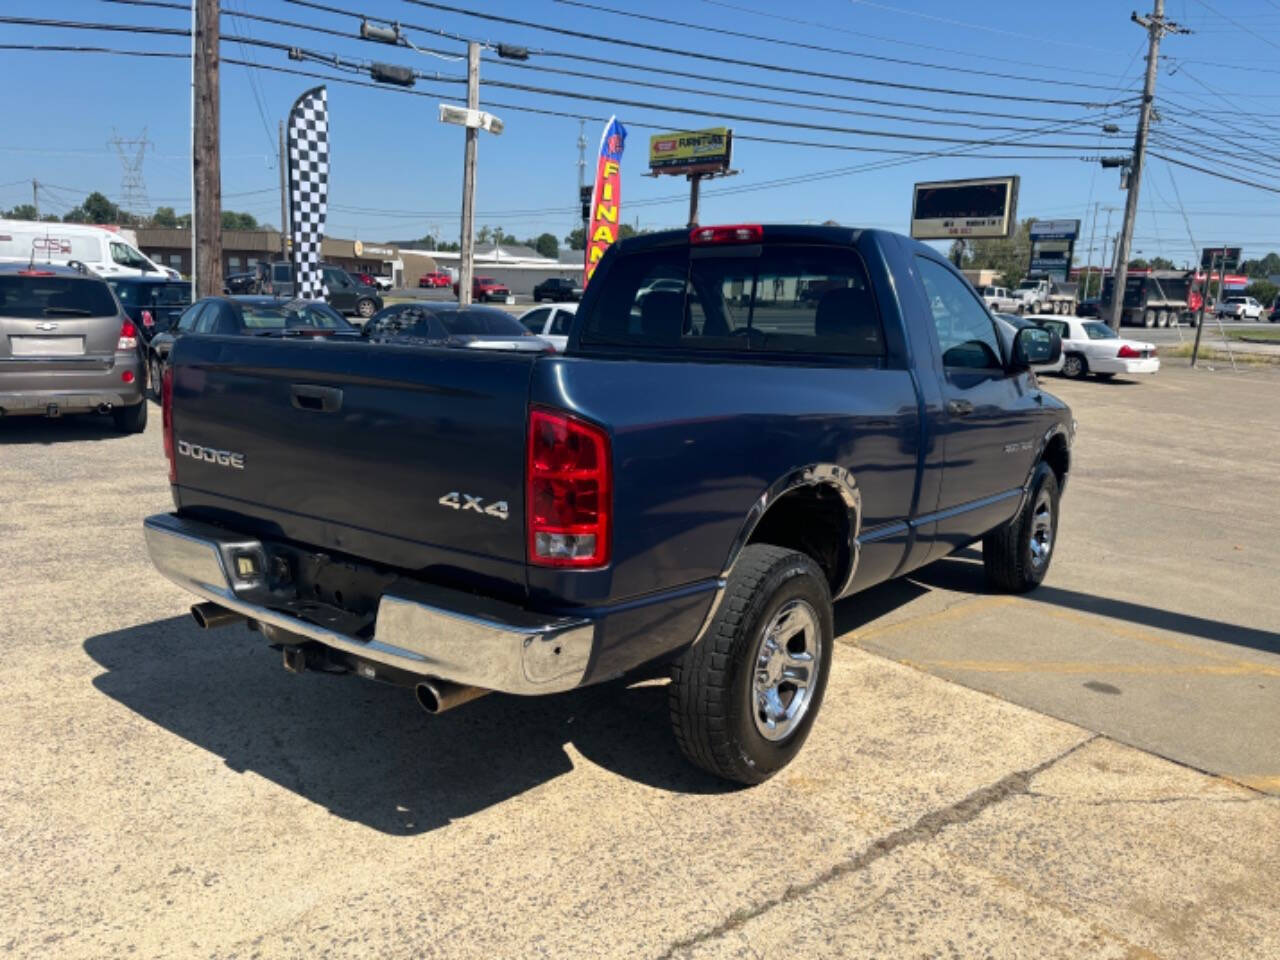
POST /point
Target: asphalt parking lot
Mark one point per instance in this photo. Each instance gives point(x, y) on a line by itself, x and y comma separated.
point(1092, 770)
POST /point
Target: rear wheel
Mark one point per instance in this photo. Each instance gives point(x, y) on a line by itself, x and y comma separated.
point(1016, 556)
point(1162, 319)
point(155, 374)
point(131, 419)
point(1149, 318)
point(744, 698)
point(1074, 366)
point(366, 307)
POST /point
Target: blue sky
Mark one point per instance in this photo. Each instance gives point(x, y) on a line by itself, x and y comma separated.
point(397, 172)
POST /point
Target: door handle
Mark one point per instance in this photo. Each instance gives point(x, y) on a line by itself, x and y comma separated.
point(959, 408)
point(319, 399)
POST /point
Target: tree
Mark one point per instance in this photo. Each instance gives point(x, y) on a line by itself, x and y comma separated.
point(485, 233)
point(238, 221)
point(1162, 263)
point(98, 209)
point(575, 240)
point(1268, 266)
point(1263, 291)
point(165, 217)
point(1008, 256)
point(23, 211)
point(1137, 263)
point(547, 245)
point(51, 218)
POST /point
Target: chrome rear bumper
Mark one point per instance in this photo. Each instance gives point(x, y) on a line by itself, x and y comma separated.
point(430, 631)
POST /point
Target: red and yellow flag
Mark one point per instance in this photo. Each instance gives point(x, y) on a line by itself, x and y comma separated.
point(606, 198)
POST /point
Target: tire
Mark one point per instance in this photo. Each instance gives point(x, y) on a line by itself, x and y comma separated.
point(156, 372)
point(1162, 319)
point(131, 419)
point(1017, 555)
point(1074, 366)
point(1149, 318)
point(713, 693)
point(365, 308)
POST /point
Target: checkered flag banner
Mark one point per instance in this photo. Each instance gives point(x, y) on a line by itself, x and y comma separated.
point(308, 145)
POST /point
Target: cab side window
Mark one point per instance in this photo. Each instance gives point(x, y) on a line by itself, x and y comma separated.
point(190, 316)
point(537, 319)
point(560, 325)
point(966, 333)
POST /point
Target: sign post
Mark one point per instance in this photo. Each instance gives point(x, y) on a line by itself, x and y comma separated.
point(695, 154)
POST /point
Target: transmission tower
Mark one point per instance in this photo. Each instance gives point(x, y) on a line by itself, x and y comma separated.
point(133, 188)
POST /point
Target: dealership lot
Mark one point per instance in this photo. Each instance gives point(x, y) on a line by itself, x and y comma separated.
point(988, 774)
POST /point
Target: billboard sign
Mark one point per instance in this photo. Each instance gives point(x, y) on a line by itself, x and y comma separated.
point(1213, 257)
point(691, 151)
point(1055, 229)
point(964, 209)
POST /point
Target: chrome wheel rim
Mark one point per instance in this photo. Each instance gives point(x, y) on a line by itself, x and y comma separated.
point(1041, 540)
point(785, 670)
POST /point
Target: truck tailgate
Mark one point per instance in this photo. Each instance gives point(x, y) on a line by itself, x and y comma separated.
point(407, 456)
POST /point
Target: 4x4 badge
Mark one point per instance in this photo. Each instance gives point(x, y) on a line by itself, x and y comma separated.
point(464, 501)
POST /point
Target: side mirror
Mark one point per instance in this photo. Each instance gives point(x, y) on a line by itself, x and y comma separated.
point(1033, 347)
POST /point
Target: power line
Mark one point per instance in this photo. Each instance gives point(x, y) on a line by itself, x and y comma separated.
point(739, 62)
point(253, 87)
point(1239, 25)
point(724, 31)
point(1215, 173)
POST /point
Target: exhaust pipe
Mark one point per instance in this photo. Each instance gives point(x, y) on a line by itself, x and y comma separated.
point(209, 615)
point(104, 408)
point(437, 696)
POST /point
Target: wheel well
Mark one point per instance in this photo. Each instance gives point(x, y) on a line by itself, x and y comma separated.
point(1058, 457)
point(815, 521)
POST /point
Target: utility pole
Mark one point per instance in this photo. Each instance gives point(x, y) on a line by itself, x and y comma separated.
point(35, 196)
point(466, 265)
point(695, 188)
point(1156, 27)
point(1204, 302)
point(284, 198)
point(584, 198)
point(206, 223)
point(1088, 263)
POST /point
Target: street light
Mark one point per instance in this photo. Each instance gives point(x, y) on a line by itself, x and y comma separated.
point(473, 119)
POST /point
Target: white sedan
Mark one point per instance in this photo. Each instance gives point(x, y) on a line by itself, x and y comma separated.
point(551, 323)
point(1090, 346)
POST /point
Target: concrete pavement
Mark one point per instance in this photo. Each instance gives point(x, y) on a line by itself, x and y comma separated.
point(172, 793)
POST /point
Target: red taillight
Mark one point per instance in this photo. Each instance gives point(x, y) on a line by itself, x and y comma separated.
point(36, 273)
point(740, 233)
point(147, 319)
point(166, 418)
point(128, 336)
point(126, 377)
point(1128, 353)
point(568, 491)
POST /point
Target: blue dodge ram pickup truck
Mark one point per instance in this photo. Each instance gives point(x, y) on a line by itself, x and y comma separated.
point(747, 424)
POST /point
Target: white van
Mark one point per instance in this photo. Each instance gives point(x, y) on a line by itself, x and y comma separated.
point(106, 251)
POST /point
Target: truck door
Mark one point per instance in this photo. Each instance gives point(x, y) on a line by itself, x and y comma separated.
point(991, 418)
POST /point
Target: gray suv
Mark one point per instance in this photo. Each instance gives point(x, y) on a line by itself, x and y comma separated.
point(67, 346)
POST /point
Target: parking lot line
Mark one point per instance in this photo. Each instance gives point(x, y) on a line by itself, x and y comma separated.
point(957, 611)
point(1239, 669)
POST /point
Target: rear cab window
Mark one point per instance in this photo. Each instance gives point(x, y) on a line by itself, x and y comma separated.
point(37, 297)
point(763, 301)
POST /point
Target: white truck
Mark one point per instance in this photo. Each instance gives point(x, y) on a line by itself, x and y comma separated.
point(1000, 300)
point(1041, 295)
point(1239, 308)
point(109, 252)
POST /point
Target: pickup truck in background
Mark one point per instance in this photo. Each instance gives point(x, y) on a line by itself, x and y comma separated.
point(712, 461)
point(1038, 295)
point(1239, 308)
point(999, 300)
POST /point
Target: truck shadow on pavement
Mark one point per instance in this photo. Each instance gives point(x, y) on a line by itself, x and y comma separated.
point(69, 429)
point(364, 750)
point(963, 572)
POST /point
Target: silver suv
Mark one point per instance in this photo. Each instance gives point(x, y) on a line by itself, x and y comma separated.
point(67, 346)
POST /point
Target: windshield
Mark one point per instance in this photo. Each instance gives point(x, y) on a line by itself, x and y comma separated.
point(1100, 331)
point(126, 256)
point(1028, 284)
point(316, 316)
point(38, 297)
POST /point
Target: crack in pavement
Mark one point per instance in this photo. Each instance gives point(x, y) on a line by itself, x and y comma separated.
point(924, 829)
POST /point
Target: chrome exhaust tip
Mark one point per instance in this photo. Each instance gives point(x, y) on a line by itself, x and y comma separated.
point(104, 408)
point(209, 616)
point(437, 696)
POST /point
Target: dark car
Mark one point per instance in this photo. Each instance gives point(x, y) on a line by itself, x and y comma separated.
point(447, 325)
point(67, 346)
point(557, 289)
point(152, 303)
point(689, 486)
point(241, 283)
point(1089, 307)
point(347, 295)
point(251, 317)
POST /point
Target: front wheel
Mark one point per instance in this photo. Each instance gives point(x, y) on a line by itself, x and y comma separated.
point(744, 698)
point(365, 307)
point(1016, 555)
